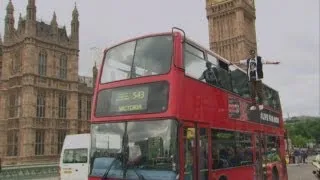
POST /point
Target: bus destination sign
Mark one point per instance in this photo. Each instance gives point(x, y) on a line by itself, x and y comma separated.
point(129, 100)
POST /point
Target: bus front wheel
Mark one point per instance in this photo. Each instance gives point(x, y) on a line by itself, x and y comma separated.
point(223, 178)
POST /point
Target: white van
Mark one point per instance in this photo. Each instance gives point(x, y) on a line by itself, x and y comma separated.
point(75, 156)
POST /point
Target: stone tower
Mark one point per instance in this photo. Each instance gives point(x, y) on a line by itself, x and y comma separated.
point(231, 27)
point(42, 97)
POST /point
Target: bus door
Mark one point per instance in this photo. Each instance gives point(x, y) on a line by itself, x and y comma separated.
point(196, 152)
point(189, 139)
point(203, 155)
point(260, 151)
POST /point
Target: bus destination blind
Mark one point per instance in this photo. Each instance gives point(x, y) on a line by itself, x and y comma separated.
point(129, 100)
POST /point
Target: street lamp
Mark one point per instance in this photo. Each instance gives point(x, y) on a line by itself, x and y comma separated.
point(96, 56)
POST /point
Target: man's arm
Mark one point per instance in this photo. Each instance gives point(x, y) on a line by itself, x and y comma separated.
point(244, 61)
point(270, 62)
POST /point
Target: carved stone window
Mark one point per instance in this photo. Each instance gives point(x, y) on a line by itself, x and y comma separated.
point(62, 106)
point(42, 66)
point(63, 67)
point(14, 104)
point(12, 142)
point(41, 104)
point(39, 142)
point(16, 62)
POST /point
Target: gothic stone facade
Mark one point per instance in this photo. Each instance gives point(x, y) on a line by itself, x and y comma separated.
point(231, 27)
point(42, 97)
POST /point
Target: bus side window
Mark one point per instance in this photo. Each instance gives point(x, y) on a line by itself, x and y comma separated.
point(267, 95)
point(274, 101)
point(273, 149)
point(194, 61)
point(239, 82)
point(277, 101)
point(224, 75)
point(213, 59)
point(223, 149)
point(244, 149)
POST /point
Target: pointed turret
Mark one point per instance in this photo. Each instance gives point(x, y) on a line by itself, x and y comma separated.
point(31, 10)
point(20, 24)
point(10, 8)
point(54, 18)
point(75, 25)
point(75, 13)
point(9, 22)
point(20, 19)
point(54, 24)
point(31, 19)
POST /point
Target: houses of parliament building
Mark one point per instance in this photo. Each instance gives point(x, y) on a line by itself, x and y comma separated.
point(42, 97)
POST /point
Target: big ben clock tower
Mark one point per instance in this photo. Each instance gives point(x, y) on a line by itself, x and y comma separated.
point(231, 27)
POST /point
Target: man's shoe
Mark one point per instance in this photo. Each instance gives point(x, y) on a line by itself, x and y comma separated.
point(260, 106)
point(252, 108)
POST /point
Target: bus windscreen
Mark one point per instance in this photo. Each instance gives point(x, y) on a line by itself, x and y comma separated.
point(142, 57)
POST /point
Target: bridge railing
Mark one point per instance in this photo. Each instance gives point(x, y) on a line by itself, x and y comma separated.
point(34, 171)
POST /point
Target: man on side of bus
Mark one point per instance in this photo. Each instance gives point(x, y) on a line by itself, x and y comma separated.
point(255, 75)
point(211, 75)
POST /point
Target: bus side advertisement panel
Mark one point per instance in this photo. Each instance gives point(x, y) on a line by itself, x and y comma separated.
point(240, 110)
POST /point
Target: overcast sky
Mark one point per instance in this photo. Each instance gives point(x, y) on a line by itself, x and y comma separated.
point(287, 31)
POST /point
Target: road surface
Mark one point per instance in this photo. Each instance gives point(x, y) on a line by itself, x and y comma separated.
point(296, 172)
point(301, 172)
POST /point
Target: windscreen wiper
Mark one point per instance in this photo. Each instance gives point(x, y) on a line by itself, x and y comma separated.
point(125, 152)
point(140, 176)
point(117, 158)
point(122, 156)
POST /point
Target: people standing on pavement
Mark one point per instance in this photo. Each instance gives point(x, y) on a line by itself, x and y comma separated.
point(304, 156)
point(296, 154)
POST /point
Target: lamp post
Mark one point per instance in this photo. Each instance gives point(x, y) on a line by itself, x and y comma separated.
point(96, 55)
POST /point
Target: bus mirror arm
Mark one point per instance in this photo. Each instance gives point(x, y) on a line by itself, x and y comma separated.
point(179, 29)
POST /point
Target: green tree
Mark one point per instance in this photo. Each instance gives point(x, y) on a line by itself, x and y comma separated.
point(303, 130)
point(299, 141)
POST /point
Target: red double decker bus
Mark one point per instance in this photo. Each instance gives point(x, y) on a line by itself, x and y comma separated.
point(154, 118)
